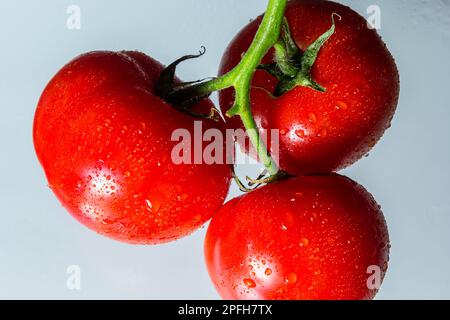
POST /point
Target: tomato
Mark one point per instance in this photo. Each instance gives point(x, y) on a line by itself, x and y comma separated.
point(323, 132)
point(103, 138)
point(313, 237)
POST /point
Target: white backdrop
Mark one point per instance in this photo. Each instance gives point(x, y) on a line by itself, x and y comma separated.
point(408, 172)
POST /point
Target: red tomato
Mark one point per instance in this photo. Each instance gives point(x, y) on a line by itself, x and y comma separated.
point(324, 132)
point(314, 237)
point(104, 140)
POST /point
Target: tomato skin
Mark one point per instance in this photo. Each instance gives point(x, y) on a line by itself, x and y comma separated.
point(311, 237)
point(104, 140)
point(324, 132)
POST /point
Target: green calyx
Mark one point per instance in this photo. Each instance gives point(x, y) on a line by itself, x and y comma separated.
point(292, 67)
point(183, 96)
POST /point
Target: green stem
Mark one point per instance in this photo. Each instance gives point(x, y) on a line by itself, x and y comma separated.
point(283, 60)
point(241, 77)
point(291, 67)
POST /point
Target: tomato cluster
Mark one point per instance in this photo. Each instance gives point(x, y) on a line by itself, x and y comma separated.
point(103, 134)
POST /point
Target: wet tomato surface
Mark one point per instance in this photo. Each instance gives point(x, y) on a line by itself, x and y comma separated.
point(315, 237)
point(323, 132)
point(104, 140)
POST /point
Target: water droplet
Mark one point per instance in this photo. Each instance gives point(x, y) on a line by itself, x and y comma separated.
point(249, 283)
point(341, 105)
point(312, 118)
point(127, 174)
point(148, 204)
point(331, 241)
point(323, 133)
point(284, 132)
point(304, 242)
point(268, 272)
point(183, 197)
point(108, 177)
point(290, 278)
point(300, 133)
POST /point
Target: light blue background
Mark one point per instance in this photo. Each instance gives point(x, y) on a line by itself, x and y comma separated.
point(408, 171)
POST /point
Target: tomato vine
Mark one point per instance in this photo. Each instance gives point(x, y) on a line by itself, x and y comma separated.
point(291, 67)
